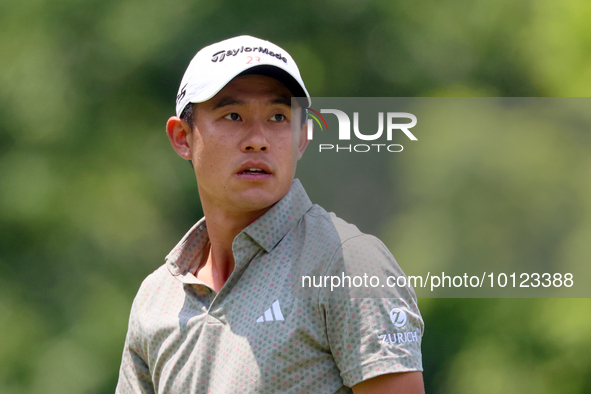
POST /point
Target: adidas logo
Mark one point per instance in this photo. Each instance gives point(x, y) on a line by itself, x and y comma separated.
point(268, 315)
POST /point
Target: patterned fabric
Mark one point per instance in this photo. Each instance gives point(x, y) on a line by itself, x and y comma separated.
point(265, 332)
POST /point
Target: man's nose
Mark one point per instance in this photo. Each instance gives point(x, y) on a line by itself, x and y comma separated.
point(255, 139)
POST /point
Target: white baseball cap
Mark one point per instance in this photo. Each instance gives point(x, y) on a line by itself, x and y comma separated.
point(214, 66)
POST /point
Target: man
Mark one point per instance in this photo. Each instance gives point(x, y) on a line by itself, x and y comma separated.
point(224, 314)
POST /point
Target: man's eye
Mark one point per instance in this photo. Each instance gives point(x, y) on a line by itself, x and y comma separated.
point(278, 118)
point(232, 116)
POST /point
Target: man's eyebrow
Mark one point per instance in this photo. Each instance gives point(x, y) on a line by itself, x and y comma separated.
point(282, 100)
point(224, 101)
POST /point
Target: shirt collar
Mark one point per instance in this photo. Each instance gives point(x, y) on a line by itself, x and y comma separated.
point(274, 224)
point(267, 231)
point(189, 248)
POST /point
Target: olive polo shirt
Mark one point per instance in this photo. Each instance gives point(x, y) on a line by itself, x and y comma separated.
point(266, 332)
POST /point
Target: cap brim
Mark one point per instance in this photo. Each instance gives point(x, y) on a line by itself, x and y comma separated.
point(263, 69)
point(282, 76)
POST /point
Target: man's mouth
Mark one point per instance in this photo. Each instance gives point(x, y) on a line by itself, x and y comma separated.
point(254, 171)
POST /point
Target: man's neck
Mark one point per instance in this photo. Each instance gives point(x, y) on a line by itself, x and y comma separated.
point(222, 228)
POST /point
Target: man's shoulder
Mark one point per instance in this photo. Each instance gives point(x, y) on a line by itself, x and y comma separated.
point(337, 230)
point(337, 260)
point(327, 241)
point(160, 275)
point(154, 284)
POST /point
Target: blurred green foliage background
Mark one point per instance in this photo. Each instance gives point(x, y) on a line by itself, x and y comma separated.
point(92, 197)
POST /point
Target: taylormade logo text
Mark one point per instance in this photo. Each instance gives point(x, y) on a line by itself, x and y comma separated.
point(395, 122)
point(221, 55)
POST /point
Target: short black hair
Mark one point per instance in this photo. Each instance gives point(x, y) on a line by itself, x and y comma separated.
point(188, 114)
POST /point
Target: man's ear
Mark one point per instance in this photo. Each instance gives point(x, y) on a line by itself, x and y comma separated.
point(304, 141)
point(177, 131)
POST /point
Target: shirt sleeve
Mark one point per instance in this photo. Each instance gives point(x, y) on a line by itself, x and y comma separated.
point(134, 374)
point(373, 328)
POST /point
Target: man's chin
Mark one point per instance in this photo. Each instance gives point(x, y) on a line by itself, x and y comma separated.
point(255, 199)
point(257, 204)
